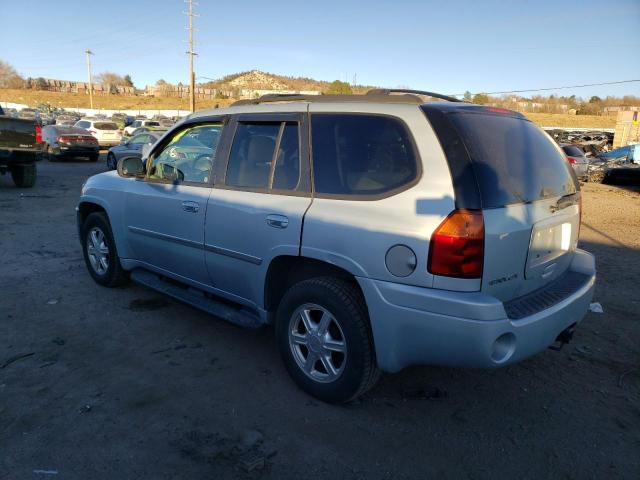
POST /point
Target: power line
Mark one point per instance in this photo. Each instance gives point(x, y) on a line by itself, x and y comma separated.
point(552, 88)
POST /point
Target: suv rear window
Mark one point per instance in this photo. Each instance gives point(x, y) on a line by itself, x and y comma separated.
point(105, 126)
point(573, 151)
point(511, 160)
point(356, 154)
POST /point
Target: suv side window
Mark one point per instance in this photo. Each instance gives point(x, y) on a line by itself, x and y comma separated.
point(189, 155)
point(359, 154)
point(265, 156)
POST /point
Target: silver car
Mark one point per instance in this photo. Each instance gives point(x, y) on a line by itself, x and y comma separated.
point(131, 147)
point(373, 231)
point(577, 159)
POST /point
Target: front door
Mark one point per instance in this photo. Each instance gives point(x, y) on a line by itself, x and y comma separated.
point(256, 208)
point(165, 213)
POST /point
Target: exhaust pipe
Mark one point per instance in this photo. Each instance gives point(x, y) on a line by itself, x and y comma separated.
point(565, 337)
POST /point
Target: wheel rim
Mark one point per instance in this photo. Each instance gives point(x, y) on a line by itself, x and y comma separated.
point(317, 343)
point(98, 251)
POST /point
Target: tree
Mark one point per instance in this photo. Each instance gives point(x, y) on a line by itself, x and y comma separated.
point(595, 99)
point(127, 80)
point(467, 97)
point(339, 88)
point(9, 78)
point(480, 98)
point(109, 78)
point(41, 84)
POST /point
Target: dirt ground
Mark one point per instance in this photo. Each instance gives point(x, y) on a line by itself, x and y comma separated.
point(125, 384)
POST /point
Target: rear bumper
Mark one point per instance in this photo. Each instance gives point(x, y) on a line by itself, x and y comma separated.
point(76, 151)
point(109, 143)
point(414, 325)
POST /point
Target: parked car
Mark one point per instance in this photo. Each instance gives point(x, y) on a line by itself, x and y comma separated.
point(29, 114)
point(66, 120)
point(578, 160)
point(374, 231)
point(140, 130)
point(20, 148)
point(141, 123)
point(106, 132)
point(131, 147)
point(61, 141)
point(621, 165)
point(11, 112)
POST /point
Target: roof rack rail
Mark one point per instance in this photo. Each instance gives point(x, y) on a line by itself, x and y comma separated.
point(381, 95)
point(388, 91)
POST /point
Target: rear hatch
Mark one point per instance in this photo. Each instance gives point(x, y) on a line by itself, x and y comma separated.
point(504, 165)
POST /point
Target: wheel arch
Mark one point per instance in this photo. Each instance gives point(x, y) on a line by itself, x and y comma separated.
point(287, 270)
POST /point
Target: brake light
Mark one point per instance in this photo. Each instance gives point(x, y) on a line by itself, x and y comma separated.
point(92, 132)
point(38, 134)
point(497, 110)
point(571, 160)
point(457, 245)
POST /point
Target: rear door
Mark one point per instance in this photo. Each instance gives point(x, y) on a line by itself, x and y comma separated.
point(506, 166)
point(256, 208)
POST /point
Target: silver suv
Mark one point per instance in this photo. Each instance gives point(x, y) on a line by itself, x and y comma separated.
point(374, 231)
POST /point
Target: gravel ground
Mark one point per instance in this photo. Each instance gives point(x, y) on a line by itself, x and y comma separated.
point(123, 383)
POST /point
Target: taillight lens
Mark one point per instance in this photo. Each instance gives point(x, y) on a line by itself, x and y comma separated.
point(457, 245)
point(572, 160)
point(38, 134)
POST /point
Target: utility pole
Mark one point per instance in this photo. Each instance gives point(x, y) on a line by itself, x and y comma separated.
point(89, 53)
point(191, 53)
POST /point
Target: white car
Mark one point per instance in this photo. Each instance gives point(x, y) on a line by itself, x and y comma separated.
point(107, 133)
point(140, 123)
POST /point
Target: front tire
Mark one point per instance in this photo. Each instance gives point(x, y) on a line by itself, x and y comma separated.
point(111, 161)
point(24, 176)
point(99, 250)
point(325, 340)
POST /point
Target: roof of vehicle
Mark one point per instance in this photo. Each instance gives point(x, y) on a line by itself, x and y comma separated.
point(65, 129)
point(395, 97)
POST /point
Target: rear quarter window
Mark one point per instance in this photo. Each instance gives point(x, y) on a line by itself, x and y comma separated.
point(361, 155)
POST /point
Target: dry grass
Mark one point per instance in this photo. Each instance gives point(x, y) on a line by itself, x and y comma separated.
point(119, 102)
point(107, 102)
point(574, 121)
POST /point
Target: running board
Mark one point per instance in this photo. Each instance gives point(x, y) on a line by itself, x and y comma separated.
point(196, 298)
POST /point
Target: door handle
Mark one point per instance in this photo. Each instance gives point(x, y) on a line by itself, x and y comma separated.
point(277, 221)
point(191, 207)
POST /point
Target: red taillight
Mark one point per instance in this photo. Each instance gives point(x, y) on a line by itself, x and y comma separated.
point(38, 134)
point(497, 110)
point(457, 245)
point(571, 160)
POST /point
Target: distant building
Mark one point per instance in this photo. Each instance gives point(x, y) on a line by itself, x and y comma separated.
point(68, 86)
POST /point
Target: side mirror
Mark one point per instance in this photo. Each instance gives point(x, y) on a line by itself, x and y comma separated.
point(146, 148)
point(130, 167)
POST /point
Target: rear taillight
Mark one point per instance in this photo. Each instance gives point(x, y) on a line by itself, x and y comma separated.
point(38, 134)
point(571, 160)
point(457, 245)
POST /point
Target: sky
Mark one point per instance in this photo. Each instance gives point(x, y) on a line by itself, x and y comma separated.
point(448, 47)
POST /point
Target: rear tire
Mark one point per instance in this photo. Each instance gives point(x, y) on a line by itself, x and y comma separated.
point(337, 363)
point(24, 176)
point(99, 250)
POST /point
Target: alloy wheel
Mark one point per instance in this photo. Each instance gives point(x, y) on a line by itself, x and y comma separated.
point(98, 251)
point(317, 343)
